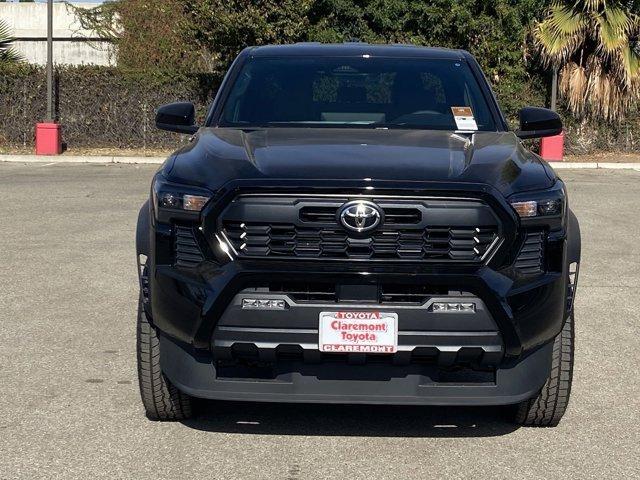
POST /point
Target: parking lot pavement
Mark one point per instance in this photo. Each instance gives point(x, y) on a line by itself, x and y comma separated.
point(70, 408)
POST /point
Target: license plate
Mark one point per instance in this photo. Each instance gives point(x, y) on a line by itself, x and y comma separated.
point(358, 332)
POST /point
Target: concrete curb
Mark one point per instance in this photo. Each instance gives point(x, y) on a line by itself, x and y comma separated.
point(561, 165)
point(595, 165)
point(159, 160)
point(79, 159)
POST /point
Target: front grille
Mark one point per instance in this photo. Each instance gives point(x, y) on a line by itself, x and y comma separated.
point(530, 260)
point(186, 249)
point(430, 229)
point(257, 239)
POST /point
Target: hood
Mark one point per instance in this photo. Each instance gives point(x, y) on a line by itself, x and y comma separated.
point(219, 155)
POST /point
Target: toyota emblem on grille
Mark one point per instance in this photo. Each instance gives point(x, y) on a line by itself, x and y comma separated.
point(360, 216)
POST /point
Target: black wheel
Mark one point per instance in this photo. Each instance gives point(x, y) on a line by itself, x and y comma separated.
point(161, 399)
point(547, 408)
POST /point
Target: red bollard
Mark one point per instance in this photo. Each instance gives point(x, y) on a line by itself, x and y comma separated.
point(552, 148)
point(48, 139)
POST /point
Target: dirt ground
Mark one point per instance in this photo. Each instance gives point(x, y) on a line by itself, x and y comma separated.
point(97, 152)
point(609, 157)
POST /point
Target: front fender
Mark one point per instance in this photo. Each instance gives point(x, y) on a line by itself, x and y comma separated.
point(143, 230)
point(574, 242)
point(574, 251)
point(143, 250)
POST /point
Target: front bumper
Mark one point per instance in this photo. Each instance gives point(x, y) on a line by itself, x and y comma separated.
point(412, 385)
point(504, 347)
point(187, 306)
point(507, 343)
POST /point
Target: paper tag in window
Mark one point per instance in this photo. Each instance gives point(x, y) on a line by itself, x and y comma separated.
point(464, 118)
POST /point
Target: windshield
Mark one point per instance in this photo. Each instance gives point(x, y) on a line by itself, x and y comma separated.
point(357, 92)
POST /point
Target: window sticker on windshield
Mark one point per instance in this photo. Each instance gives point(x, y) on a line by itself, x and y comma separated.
point(464, 118)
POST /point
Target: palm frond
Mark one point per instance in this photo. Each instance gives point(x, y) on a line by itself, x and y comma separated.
point(613, 26)
point(5, 34)
point(7, 54)
point(573, 85)
point(591, 5)
point(559, 34)
point(606, 98)
point(595, 44)
point(630, 64)
point(565, 20)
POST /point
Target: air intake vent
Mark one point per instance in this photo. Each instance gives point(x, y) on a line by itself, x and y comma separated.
point(407, 294)
point(530, 260)
point(187, 250)
point(402, 216)
point(318, 214)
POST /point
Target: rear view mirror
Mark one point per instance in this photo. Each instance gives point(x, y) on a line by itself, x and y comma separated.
point(177, 117)
point(538, 122)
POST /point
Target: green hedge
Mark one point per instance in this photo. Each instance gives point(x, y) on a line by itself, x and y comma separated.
point(111, 107)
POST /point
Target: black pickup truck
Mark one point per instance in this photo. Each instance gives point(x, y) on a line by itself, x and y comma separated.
point(357, 224)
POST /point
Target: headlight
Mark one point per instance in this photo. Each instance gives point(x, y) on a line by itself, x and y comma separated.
point(534, 208)
point(179, 201)
point(543, 205)
point(172, 200)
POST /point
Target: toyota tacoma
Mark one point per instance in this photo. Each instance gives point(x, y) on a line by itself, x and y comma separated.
point(357, 224)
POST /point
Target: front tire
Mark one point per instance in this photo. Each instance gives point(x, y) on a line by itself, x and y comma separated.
point(547, 408)
point(161, 399)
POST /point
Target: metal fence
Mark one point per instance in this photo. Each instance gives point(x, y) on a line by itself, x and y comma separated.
point(97, 106)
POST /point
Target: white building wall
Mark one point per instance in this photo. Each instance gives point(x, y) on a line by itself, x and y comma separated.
point(28, 23)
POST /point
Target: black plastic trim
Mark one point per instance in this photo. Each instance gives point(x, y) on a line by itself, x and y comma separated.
point(196, 375)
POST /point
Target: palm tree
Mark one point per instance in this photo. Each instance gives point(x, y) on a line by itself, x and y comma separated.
point(595, 45)
point(7, 55)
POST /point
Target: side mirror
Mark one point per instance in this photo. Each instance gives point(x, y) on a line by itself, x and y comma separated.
point(177, 117)
point(538, 122)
